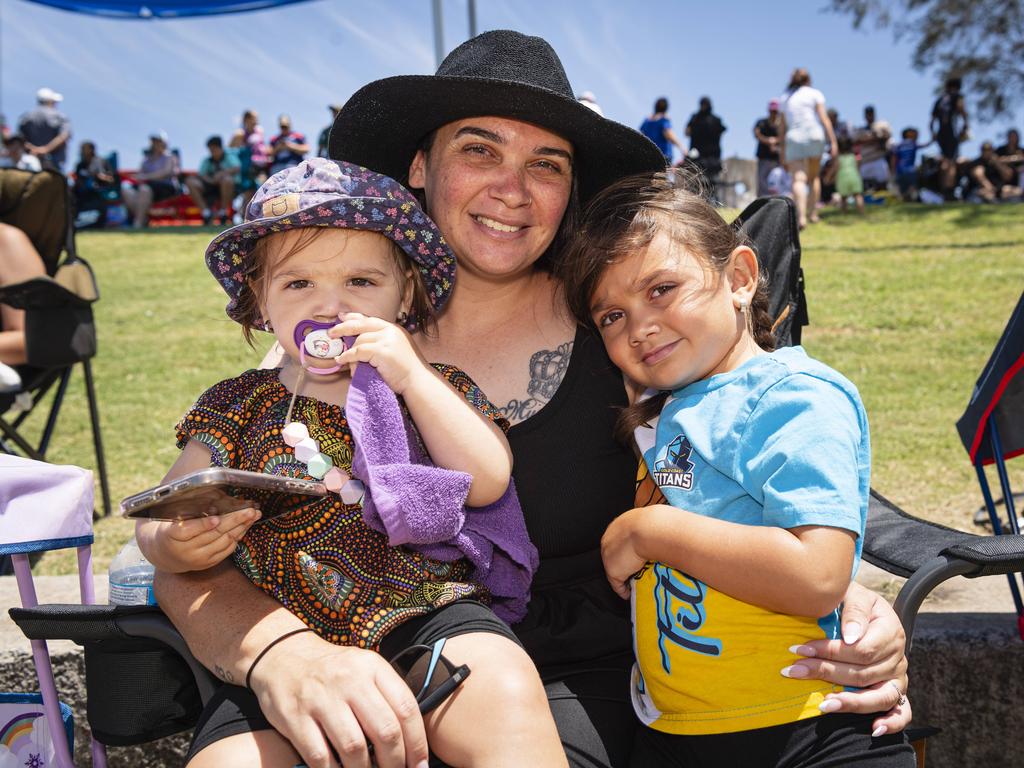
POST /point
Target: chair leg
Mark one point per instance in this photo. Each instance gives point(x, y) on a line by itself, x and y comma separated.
point(85, 583)
point(51, 420)
point(44, 672)
point(94, 415)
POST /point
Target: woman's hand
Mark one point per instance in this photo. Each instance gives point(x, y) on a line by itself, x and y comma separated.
point(383, 345)
point(328, 699)
point(870, 657)
point(621, 560)
point(195, 544)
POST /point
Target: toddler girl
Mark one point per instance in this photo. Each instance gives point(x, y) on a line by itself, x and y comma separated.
point(848, 180)
point(332, 259)
point(762, 458)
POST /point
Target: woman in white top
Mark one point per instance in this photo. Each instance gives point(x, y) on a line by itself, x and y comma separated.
point(806, 126)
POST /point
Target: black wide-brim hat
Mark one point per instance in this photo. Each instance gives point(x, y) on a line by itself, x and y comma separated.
point(502, 74)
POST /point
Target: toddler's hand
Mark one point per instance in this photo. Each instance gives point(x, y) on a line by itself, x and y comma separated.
point(202, 542)
point(621, 560)
point(383, 345)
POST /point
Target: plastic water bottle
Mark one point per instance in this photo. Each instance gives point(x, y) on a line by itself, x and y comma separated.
point(131, 577)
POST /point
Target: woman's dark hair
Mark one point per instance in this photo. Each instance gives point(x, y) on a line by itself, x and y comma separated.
point(799, 78)
point(624, 219)
point(661, 105)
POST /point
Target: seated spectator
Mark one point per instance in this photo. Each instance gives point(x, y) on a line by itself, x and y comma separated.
point(214, 185)
point(992, 178)
point(872, 143)
point(156, 180)
point(93, 186)
point(288, 148)
point(17, 157)
point(1012, 154)
point(19, 262)
point(904, 163)
point(841, 128)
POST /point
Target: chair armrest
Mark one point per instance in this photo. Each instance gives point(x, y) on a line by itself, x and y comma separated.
point(928, 554)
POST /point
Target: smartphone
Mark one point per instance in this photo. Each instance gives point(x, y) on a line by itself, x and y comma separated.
point(217, 491)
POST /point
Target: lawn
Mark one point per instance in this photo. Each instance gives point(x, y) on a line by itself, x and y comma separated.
point(907, 301)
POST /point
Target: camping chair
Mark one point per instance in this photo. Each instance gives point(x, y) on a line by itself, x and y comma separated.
point(59, 328)
point(112, 635)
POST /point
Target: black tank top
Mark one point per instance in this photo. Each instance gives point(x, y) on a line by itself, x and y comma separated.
point(573, 478)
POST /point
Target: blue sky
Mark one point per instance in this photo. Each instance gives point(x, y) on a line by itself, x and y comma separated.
point(193, 77)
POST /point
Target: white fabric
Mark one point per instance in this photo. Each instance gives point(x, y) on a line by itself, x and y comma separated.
point(799, 108)
point(40, 501)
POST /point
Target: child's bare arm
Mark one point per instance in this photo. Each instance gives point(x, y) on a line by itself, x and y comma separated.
point(801, 571)
point(455, 433)
point(197, 544)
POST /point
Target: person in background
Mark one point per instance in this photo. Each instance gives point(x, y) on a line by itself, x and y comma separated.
point(658, 128)
point(904, 163)
point(872, 142)
point(156, 180)
point(325, 134)
point(251, 136)
point(46, 130)
point(1012, 154)
point(766, 131)
point(17, 157)
point(288, 147)
point(992, 178)
point(848, 180)
point(93, 177)
point(587, 99)
point(214, 184)
point(949, 127)
point(705, 130)
point(840, 127)
point(806, 129)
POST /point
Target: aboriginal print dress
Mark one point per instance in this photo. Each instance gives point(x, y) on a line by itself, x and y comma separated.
point(322, 561)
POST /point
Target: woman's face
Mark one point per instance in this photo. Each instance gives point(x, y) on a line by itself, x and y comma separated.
point(498, 189)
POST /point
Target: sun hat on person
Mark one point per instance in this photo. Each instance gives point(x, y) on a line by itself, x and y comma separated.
point(48, 94)
point(327, 193)
point(499, 73)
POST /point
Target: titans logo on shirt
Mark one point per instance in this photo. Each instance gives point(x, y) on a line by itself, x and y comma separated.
point(673, 469)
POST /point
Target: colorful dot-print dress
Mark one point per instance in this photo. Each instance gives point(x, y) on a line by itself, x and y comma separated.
point(322, 561)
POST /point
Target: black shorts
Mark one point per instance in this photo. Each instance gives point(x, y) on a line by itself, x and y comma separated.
point(829, 741)
point(234, 710)
point(162, 190)
point(949, 144)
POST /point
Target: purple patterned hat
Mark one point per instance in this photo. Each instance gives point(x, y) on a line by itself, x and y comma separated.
point(329, 193)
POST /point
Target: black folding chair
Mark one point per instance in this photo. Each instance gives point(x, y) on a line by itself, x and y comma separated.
point(59, 329)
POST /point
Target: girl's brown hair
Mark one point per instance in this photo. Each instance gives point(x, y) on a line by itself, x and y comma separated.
point(624, 219)
point(248, 307)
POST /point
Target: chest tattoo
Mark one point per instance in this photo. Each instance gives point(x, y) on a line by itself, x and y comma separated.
point(547, 369)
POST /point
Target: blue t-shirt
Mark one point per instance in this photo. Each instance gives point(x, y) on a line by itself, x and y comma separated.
point(906, 156)
point(655, 131)
point(781, 441)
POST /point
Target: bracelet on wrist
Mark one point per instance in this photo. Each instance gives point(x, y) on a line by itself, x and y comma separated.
point(271, 644)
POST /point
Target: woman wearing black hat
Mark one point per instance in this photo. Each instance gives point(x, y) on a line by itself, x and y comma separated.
point(503, 154)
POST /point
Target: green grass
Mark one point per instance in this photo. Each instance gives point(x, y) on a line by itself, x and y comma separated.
point(907, 301)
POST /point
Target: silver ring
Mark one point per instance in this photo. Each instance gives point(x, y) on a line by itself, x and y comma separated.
point(902, 696)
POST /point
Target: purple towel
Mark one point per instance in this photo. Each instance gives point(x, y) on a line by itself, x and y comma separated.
point(424, 507)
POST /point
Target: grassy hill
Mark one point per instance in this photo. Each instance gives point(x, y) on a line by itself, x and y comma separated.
point(907, 301)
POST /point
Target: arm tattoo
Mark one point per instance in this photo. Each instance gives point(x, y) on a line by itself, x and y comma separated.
point(547, 369)
point(223, 674)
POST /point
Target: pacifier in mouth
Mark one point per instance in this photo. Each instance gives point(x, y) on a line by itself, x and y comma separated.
point(311, 338)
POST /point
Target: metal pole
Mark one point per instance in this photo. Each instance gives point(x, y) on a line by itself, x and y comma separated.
point(472, 18)
point(438, 32)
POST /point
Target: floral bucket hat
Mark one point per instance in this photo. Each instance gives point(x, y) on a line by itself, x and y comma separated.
point(329, 193)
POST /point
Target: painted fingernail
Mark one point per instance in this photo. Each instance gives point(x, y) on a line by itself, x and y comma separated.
point(802, 650)
point(423, 764)
point(852, 632)
point(830, 705)
point(794, 670)
point(879, 731)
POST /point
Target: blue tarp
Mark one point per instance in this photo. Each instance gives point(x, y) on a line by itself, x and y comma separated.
point(160, 9)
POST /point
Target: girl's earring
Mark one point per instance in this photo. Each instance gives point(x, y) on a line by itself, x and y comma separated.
point(403, 318)
point(745, 311)
point(267, 326)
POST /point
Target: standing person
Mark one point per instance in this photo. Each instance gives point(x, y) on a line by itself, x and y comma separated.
point(872, 142)
point(848, 179)
point(502, 152)
point(766, 131)
point(336, 248)
point(949, 127)
point(325, 134)
point(156, 180)
point(215, 182)
point(250, 136)
point(46, 130)
point(806, 128)
point(658, 128)
point(288, 147)
point(705, 130)
point(17, 157)
point(761, 462)
point(588, 99)
point(904, 163)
